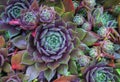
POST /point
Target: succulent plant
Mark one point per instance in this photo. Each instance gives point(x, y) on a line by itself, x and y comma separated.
point(84, 60)
point(47, 14)
point(90, 3)
point(100, 72)
point(76, 4)
point(103, 31)
point(116, 9)
point(13, 10)
point(87, 26)
point(93, 52)
point(59, 41)
point(28, 20)
point(52, 46)
point(78, 19)
point(108, 46)
point(104, 19)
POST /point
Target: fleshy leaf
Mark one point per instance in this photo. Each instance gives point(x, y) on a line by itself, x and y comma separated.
point(68, 16)
point(81, 33)
point(49, 74)
point(59, 10)
point(65, 59)
point(26, 59)
point(66, 78)
point(32, 73)
point(116, 55)
point(59, 7)
point(4, 51)
point(63, 69)
point(41, 66)
point(69, 7)
point(16, 61)
point(20, 42)
point(118, 70)
point(53, 66)
point(90, 38)
point(118, 19)
point(76, 53)
point(2, 41)
point(12, 31)
point(110, 3)
point(7, 67)
point(77, 42)
point(73, 67)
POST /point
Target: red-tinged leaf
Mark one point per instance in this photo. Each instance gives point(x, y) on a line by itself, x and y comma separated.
point(66, 78)
point(14, 22)
point(2, 41)
point(33, 33)
point(16, 61)
point(34, 5)
point(68, 5)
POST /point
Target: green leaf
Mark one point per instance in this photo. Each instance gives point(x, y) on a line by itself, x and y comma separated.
point(63, 69)
point(41, 66)
point(68, 16)
point(49, 74)
point(65, 59)
point(59, 10)
point(77, 42)
point(73, 67)
point(26, 59)
point(90, 38)
point(118, 70)
point(76, 53)
point(81, 33)
point(58, 5)
point(20, 42)
point(7, 67)
point(32, 73)
point(53, 65)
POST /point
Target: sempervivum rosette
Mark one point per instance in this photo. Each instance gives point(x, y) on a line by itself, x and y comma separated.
point(28, 20)
point(100, 72)
point(50, 48)
point(13, 10)
point(29, 17)
point(53, 43)
point(47, 14)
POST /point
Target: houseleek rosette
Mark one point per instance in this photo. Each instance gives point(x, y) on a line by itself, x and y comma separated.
point(13, 10)
point(100, 72)
point(28, 20)
point(51, 47)
point(47, 14)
